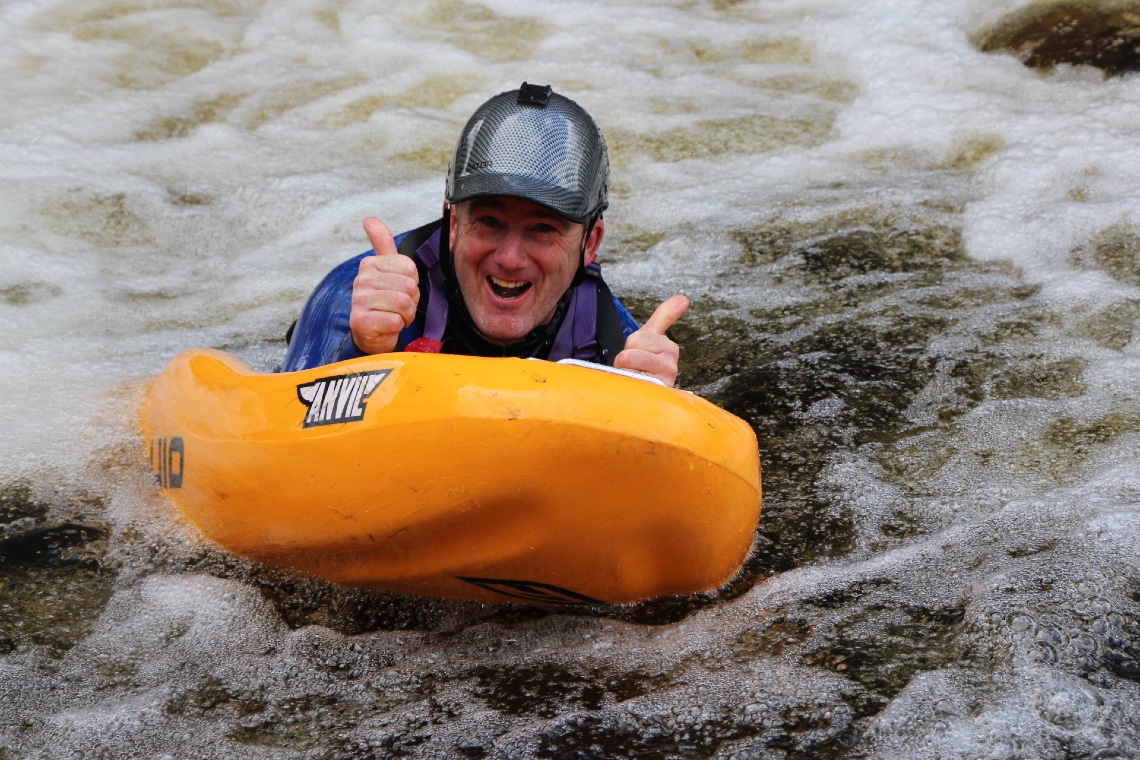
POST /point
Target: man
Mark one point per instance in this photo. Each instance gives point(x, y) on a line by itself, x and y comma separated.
point(510, 269)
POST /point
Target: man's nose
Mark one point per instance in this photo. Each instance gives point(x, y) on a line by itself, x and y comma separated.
point(511, 254)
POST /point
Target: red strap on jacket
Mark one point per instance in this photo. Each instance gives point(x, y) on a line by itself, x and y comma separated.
point(424, 346)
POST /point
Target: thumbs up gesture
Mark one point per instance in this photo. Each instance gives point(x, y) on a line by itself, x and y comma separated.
point(649, 350)
point(385, 293)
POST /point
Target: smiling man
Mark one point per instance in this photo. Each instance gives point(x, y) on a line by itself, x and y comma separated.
point(516, 273)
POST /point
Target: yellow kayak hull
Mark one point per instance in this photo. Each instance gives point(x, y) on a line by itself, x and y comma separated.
point(459, 477)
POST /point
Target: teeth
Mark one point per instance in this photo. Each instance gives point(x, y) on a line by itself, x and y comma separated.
point(505, 284)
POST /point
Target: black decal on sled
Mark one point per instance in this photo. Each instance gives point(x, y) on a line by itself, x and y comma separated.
point(531, 591)
point(340, 398)
point(168, 461)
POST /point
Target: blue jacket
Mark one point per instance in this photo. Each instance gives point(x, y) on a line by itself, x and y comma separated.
point(593, 324)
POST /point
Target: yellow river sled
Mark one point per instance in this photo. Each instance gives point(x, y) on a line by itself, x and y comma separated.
point(459, 477)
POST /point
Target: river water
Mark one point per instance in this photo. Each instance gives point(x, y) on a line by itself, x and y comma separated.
point(915, 269)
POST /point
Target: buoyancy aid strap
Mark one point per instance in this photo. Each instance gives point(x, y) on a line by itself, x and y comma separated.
point(435, 323)
point(408, 242)
point(585, 321)
point(424, 243)
point(575, 337)
point(611, 337)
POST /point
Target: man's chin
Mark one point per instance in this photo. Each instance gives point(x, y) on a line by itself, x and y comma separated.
point(504, 332)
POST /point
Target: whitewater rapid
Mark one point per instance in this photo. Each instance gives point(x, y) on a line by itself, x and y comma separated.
point(915, 269)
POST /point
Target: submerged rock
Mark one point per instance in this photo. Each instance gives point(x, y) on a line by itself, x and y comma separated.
point(53, 578)
point(1043, 35)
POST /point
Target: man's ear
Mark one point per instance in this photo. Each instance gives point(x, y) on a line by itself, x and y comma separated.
point(594, 242)
point(453, 223)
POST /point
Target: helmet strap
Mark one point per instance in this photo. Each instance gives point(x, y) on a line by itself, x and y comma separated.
point(581, 273)
point(445, 245)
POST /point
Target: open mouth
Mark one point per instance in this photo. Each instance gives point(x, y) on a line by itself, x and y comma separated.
point(507, 290)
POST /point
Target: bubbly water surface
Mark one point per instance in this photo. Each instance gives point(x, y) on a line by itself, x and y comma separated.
point(915, 270)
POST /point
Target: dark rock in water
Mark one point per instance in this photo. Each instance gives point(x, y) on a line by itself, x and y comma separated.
point(54, 581)
point(1103, 35)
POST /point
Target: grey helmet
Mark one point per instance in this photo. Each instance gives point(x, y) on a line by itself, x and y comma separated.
point(535, 144)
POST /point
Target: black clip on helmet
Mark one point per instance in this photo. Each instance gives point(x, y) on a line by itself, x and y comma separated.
point(535, 144)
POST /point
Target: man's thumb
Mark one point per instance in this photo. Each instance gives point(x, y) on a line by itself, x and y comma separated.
point(667, 314)
point(379, 235)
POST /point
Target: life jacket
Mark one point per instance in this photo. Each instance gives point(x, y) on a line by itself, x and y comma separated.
point(592, 326)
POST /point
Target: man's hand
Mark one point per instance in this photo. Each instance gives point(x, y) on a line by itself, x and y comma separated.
point(649, 350)
point(385, 293)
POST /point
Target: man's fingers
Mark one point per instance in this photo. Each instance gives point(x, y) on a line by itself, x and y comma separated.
point(380, 236)
point(375, 332)
point(659, 363)
point(387, 283)
point(666, 314)
point(650, 350)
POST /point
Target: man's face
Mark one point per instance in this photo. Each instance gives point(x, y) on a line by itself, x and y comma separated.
point(514, 259)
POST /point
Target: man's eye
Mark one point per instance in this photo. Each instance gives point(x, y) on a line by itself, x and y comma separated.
point(488, 221)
